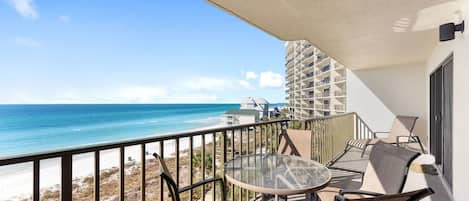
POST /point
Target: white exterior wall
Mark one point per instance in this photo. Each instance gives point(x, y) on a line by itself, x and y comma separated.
point(240, 119)
point(246, 119)
point(460, 49)
point(379, 94)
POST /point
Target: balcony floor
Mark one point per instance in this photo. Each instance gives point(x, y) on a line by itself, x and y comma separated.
point(416, 179)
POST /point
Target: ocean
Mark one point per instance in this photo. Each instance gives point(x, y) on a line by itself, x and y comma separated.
point(26, 129)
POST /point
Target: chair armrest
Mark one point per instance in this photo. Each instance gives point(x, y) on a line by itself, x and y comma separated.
point(402, 136)
point(358, 192)
point(207, 181)
point(374, 133)
point(342, 193)
point(346, 170)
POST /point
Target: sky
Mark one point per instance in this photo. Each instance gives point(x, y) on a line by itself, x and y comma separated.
point(159, 51)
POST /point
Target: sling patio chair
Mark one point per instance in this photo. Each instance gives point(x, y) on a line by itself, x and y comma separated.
point(401, 129)
point(295, 142)
point(174, 191)
point(408, 196)
point(385, 173)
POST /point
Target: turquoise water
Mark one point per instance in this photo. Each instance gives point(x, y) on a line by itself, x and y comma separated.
point(36, 128)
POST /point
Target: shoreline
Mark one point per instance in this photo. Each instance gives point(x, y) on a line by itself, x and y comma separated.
point(15, 177)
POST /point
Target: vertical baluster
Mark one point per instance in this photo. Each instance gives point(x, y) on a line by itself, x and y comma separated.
point(36, 183)
point(143, 178)
point(232, 157)
point(67, 177)
point(177, 162)
point(260, 137)
point(203, 166)
point(266, 138)
point(191, 153)
point(241, 154)
point(255, 140)
point(214, 168)
point(249, 141)
point(161, 180)
point(241, 141)
point(122, 172)
point(97, 174)
point(224, 156)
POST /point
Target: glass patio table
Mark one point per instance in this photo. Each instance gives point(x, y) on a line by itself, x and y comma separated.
point(277, 174)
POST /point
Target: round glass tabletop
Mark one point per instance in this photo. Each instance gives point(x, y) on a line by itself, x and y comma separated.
point(277, 174)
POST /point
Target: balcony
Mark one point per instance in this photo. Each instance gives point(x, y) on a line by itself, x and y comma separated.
point(191, 156)
point(339, 78)
point(339, 107)
point(339, 93)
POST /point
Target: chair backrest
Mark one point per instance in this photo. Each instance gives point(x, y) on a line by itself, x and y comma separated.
point(295, 142)
point(409, 196)
point(403, 126)
point(387, 168)
point(165, 175)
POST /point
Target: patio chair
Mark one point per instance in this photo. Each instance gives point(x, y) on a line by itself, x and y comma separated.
point(385, 173)
point(173, 187)
point(409, 196)
point(295, 142)
point(401, 128)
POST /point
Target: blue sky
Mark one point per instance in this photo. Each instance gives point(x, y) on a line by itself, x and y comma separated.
point(133, 52)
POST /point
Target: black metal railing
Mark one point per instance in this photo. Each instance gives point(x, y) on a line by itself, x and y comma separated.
point(190, 161)
point(224, 144)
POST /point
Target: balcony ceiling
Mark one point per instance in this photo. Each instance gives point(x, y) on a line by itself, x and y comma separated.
point(357, 33)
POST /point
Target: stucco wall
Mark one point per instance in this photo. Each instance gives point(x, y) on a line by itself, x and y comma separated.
point(460, 50)
point(379, 94)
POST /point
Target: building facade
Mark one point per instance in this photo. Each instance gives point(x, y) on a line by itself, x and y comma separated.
point(256, 103)
point(241, 116)
point(315, 83)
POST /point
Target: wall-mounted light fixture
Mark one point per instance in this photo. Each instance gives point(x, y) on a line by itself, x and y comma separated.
point(447, 30)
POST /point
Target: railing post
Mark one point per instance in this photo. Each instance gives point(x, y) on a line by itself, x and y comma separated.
point(67, 177)
point(36, 183)
point(96, 175)
point(143, 178)
point(122, 172)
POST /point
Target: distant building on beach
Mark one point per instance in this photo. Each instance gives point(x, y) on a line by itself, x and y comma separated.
point(255, 103)
point(252, 110)
point(241, 116)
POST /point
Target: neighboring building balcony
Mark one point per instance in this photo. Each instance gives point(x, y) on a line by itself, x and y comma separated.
point(339, 78)
point(322, 95)
point(308, 75)
point(339, 93)
point(339, 107)
point(323, 82)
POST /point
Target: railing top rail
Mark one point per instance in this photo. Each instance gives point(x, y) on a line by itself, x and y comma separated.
point(330, 117)
point(111, 145)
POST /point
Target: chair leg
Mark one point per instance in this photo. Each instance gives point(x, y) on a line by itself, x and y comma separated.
point(420, 144)
point(337, 157)
point(364, 150)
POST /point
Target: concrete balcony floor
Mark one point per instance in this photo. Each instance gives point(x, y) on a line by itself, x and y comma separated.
point(417, 179)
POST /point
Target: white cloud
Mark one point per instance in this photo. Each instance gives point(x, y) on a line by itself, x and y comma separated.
point(65, 19)
point(245, 84)
point(25, 8)
point(208, 84)
point(251, 75)
point(26, 42)
point(270, 79)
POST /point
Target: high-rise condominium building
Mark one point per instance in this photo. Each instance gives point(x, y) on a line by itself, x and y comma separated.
point(315, 83)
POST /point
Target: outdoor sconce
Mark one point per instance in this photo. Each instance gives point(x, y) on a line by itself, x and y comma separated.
point(447, 30)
